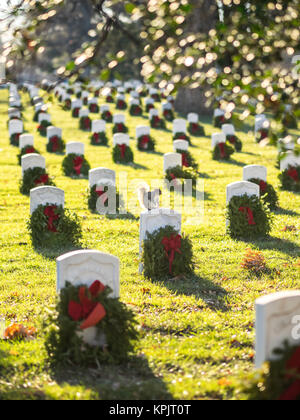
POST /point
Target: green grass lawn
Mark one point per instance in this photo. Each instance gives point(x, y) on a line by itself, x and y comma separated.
point(196, 334)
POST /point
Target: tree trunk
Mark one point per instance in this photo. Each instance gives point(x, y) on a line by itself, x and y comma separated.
point(202, 19)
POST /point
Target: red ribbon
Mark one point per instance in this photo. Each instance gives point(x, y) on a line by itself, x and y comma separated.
point(264, 134)
point(77, 164)
point(88, 311)
point(232, 139)
point(55, 143)
point(42, 180)
point(101, 193)
point(185, 160)
point(263, 186)
point(49, 212)
point(96, 138)
point(172, 245)
point(86, 123)
point(122, 148)
point(144, 142)
point(248, 212)
point(195, 127)
point(293, 367)
point(76, 112)
point(29, 150)
point(222, 150)
point(293, 173)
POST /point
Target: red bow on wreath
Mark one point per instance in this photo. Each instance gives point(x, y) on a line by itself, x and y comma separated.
point(55, 143)
point(263, 186)
point(101, 193)
point(86, 123)
point(42, 180)
point(293, 367)
point(120, 127)
point(90, 312)
point(172, 245)
point(232, 139)
point(222, 150)
point(77, 164)
point(96, 138)
point(49, 212)
point(122, 148)
point(248, 212)
point(264, 134)
point(194, 127)
point(185, 161)
point(293, 173)
point(144, 142)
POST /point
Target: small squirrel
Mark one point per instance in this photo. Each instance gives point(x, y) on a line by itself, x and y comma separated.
point(149, 200)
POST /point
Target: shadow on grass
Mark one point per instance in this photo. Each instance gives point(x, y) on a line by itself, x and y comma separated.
point(233, 162)
point(127, 216)
point(277, 244)
point(285, 212)
point(214, 296)
point(134, 380)
point(55, 252)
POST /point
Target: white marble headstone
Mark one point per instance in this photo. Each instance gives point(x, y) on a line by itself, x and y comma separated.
point(101, 175)
point(180, 145)
point(142, 130)
point(32, 160)
point(43, 116)
point(15, 127)
point(46, 195)
point(84, 113)
point(171, 160)
point(98, 126)
point(153, 113)
point(121, 138)
point(54, 131)
point(241, 188)
point(104, 108)
point(277, 316)
point(75, 147)
point(290, 160)
point(76, 103)
point(255, 171)
point(193, 118)
point(228, 129)
point(217, 138)
point(179, 126)
point(26, 140)
point(119, 119)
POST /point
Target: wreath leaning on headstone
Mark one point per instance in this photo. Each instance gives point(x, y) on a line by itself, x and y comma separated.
point(146, 143)
point(33, 178)
point(80, 308)
point(75, 165)
point(181, 136)
point(53, 226)
point(267, 193)
point(25, 151)
point(85, 123)
point(290, 179)
point(97, 192)
point(120, 128)
point(99, 139)
point(42, 128)
point(187, 159)
point(178, 172)
point(235, 142)
point(166, 254)
point(168, 115)
point(279, 380)
point(196, 130)
point(107, 116)
point(222, 151)
point(55, 145)
point(135, 110)
point(248, 217)
point(122, 154)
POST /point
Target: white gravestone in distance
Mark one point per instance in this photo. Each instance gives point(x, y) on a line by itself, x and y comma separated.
point(217, 138)
point(142, 131)
point(75, 148)
point(228, 129)
point(119, 119)
point(149, 101)
point(32, 160)
point(255, 172)
point(43, 116)
point(150, 221)
point(26, 140)
point(84, 268)
point(98, 126)
point(219, 113)
point(153, 113)
point(76, 103)
point(179, 126)
point(290, 160)
point(241, 188)
point(84, 113)
point(102, 175)
point(46, 195)
point(277, 316)
point(104, 108)
point(193, 118)
point(171, 160)
point(54, 131)
point(121, 138)
point(15, 127)
point(180, 145)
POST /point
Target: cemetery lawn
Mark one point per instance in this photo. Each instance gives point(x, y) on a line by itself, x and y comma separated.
point(196, 334)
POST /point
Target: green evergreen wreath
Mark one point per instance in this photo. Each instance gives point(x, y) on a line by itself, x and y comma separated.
point(181, 136)
point(146, 144)
point(107, 116)
point(69, 166)
point(59, 230)
point(94, 108)
point(33, 178)
point(55, 145)
point(219, 121)
point(109, 99)
point(275, 381)
point(121, 104)
point(196, 130)
point(235, 142)
point(180, 173)
point(93, 198)
point(135, 111)
point(168, 115)
point(67, 105)
point(63, 345)
point(15, 139)
point(25, 151)
point(188, 159)
point(239, 222)
point(42, 128)
point(228, 151)
point(36, 115)
point(267, 192)
point(156, 97)
point(117, 155)
point(149, 106)
point(290, 121)
point(120, 128)
point(75, 112)
point(155, 260)
point(157, 123)
point(290, 179)
point(85, 124)
point(99, 139)
point(262, 135)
